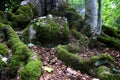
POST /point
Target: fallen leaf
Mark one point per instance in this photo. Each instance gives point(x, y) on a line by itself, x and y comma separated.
point(48, 69)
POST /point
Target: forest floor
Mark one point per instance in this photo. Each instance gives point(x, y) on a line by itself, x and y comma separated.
point(62, 72)
point(55, 69)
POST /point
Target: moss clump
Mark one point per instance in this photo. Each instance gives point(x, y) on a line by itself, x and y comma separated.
point(111, 32)
point(23, 16)
point(49, 31)
point(104, 73)
point(3, 17)
point(73, 48)
point(103, 59)
point(31, 71)
point(74, 19)
point(78, 36)
point(73, 60)
point(15, 64)
point(110, 37)
point(3, 50)
point(109, 41)
point(21, 56)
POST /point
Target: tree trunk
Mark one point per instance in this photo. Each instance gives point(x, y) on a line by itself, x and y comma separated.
point(45, 6)
point(90, 17)
point(99, 23)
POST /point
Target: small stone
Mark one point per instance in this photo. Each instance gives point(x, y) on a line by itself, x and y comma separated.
point(23, 3)
point(71, 71)
point(30, 44)
point(95, 79)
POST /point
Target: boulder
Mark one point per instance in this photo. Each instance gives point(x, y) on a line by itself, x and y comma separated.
point(47, 30)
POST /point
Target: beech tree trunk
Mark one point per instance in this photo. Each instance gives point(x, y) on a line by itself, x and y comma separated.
point(90, 16)
point(99, 23)
point(45, 6)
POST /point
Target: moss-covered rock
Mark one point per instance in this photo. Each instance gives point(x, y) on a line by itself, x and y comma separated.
point(3, 50)
point(73, 17)
point(104, 73)
point(31, 71)
point(48, 31)
point(22, 16)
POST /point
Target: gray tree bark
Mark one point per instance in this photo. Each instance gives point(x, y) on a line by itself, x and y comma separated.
point(91, 16)
point(99, 23)
point(44, 6)
point(93, 20)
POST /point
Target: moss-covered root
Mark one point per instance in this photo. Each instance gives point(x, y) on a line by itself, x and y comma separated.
point(103, 59)
point(22, 57)
point(31, 71)
point(72, 60)
point(104, 73)
point(111, 31)
point(109, 41)
point(23, 16)
point(78, 63)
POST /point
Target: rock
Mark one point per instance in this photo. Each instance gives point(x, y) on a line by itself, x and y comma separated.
point(95, 79)
point(70, 71)
point(49, 31)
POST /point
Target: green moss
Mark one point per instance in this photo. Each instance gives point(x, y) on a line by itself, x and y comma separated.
point(3, 17)
point(84, 65)
point(15, 63)
point(109, 41)
point(77, 34)
point(73, 48)
point(104, 73)
point(31, 71)
point(74, 19)
point(49, 32)
point(3, 50)
point(73, 60)
point(2, 66)
point(103, 59)
point(23, 16)
point(21, 56)
point(111, 32)
point(110, 37)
